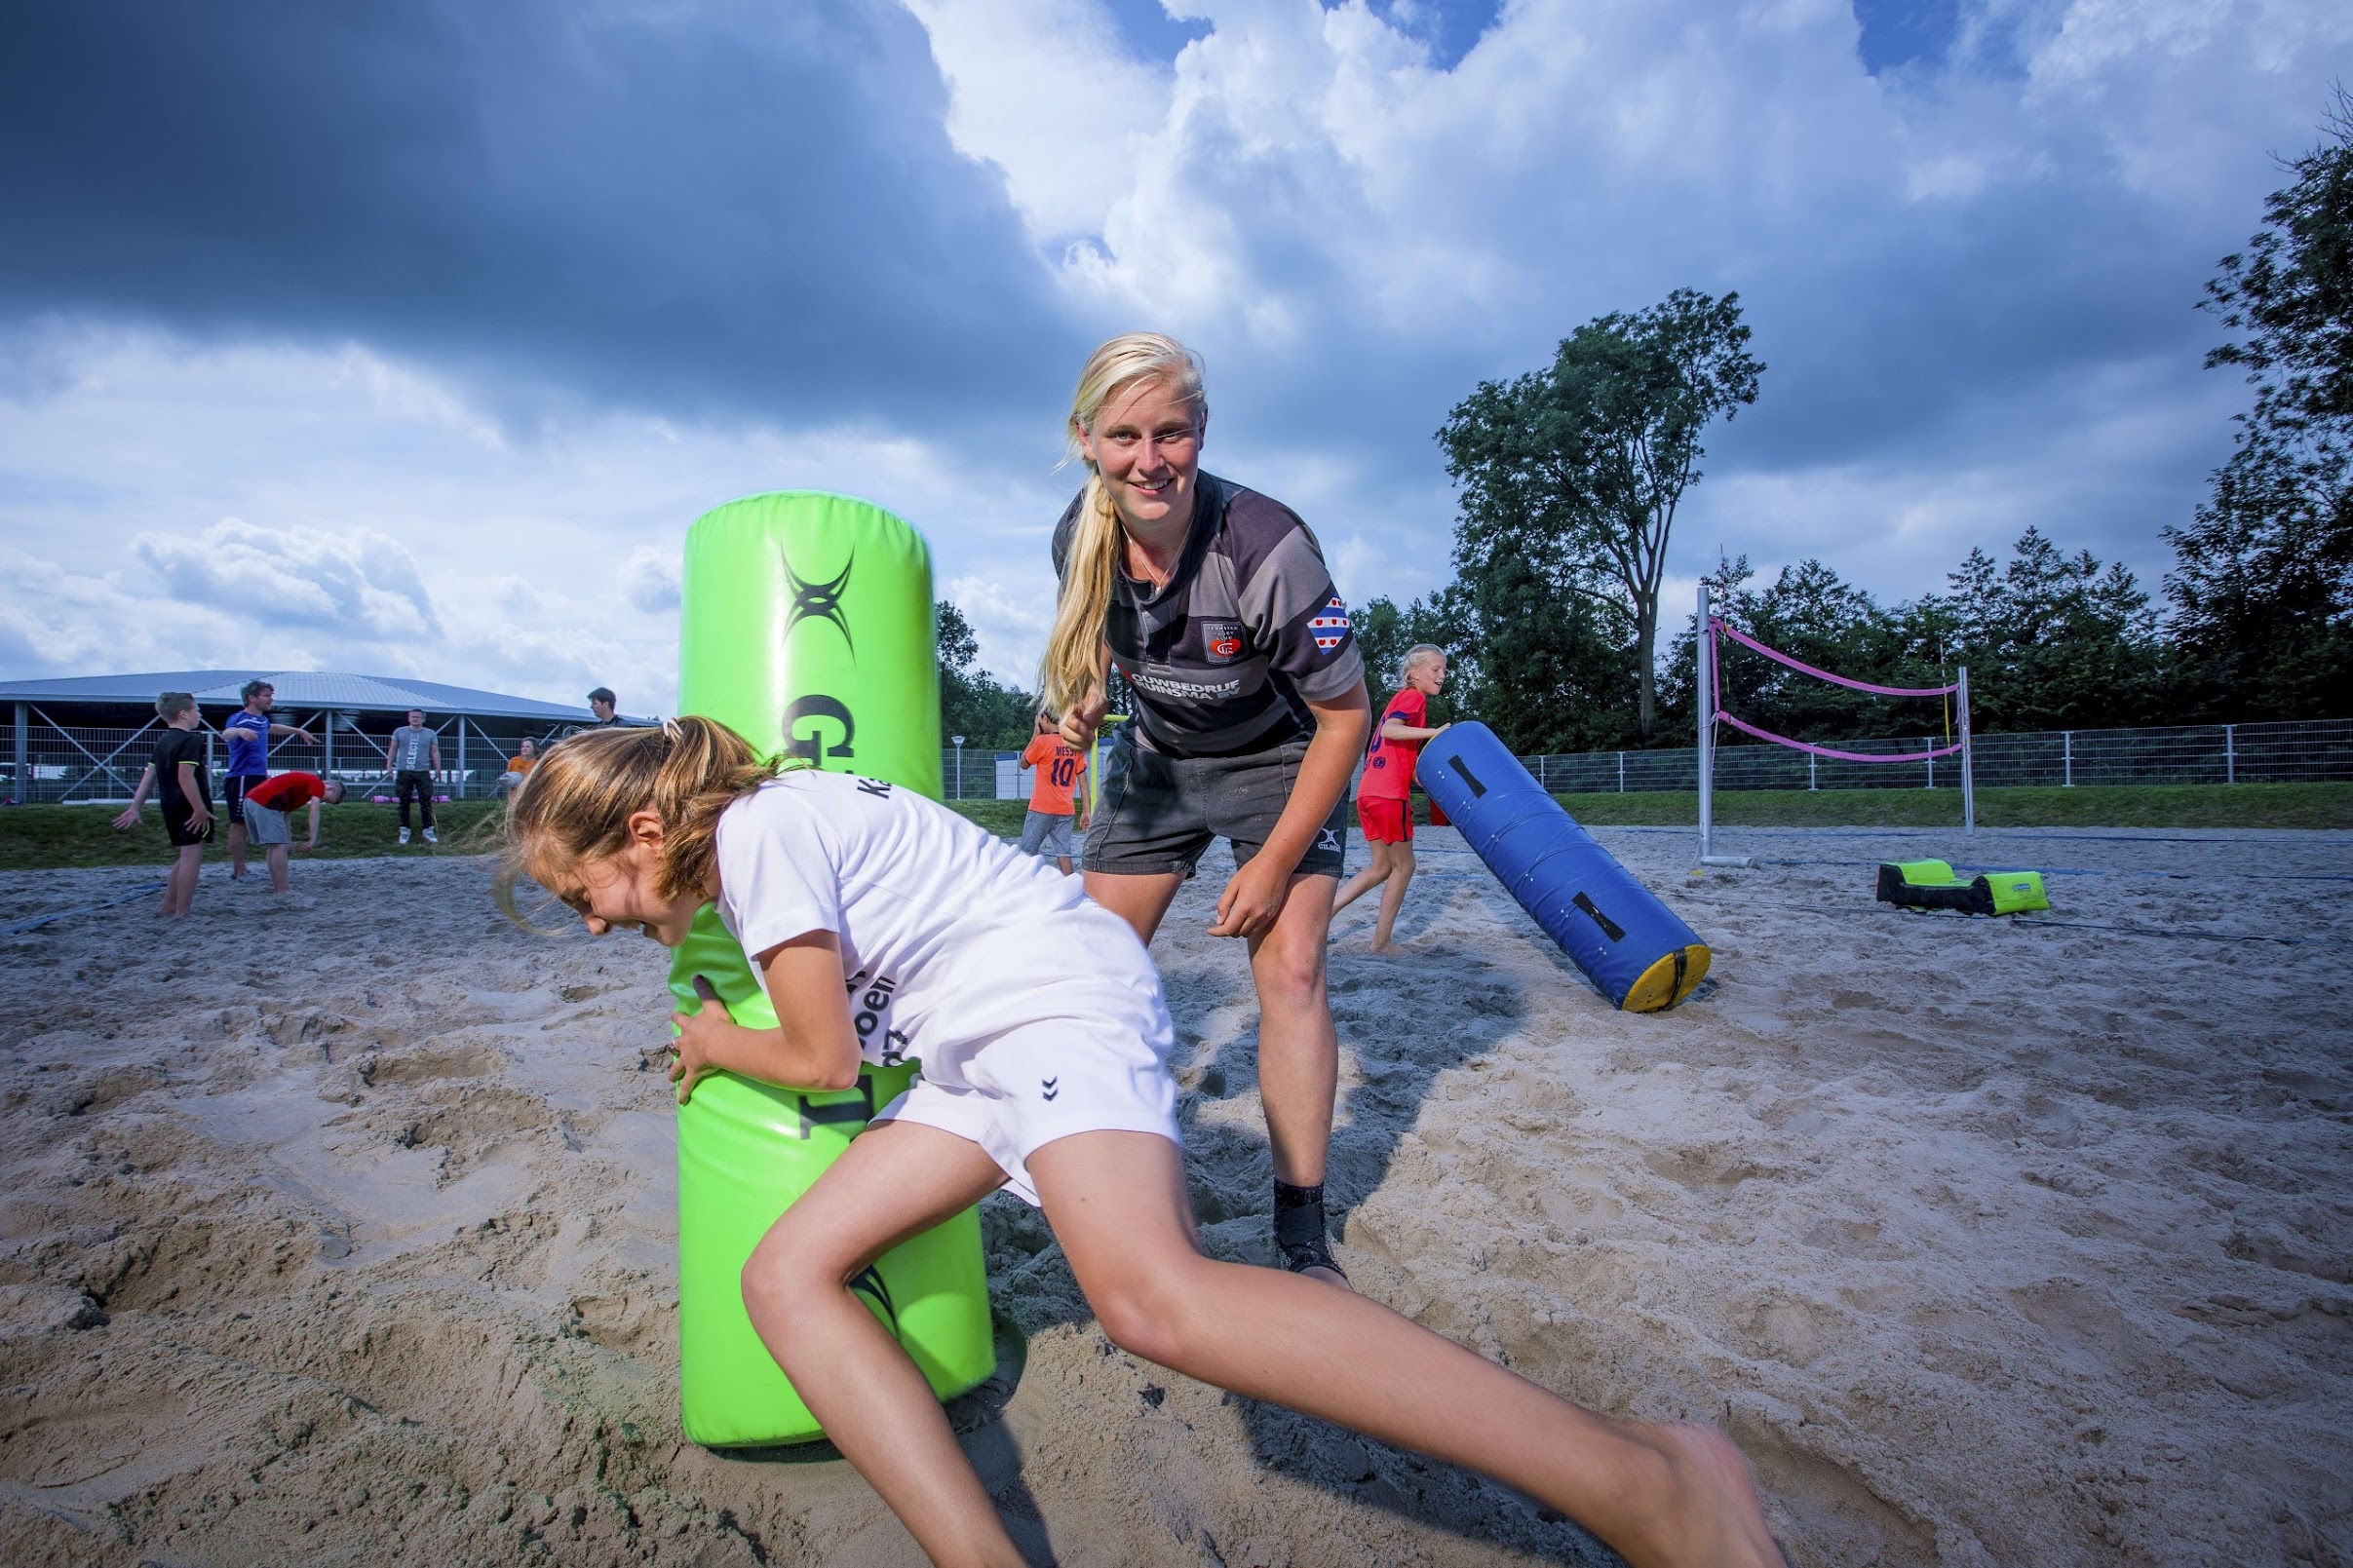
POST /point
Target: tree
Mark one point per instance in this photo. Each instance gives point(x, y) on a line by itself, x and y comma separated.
point(1571, 477)
point(972, 703)
point(2263, 589)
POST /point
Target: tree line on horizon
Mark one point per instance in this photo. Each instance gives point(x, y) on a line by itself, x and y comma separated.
point(1570, 477)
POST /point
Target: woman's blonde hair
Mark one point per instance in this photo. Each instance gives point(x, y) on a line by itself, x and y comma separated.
point(575, 806)
point(1074, 660)
point(1421, 653)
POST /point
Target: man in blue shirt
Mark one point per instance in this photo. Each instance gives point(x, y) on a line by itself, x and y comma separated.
point(249, 732)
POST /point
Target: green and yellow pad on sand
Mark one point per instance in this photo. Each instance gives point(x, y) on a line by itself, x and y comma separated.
point(1932, 885)
point(807, 628)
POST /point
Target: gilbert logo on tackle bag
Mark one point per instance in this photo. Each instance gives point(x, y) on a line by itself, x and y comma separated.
point(858, 693)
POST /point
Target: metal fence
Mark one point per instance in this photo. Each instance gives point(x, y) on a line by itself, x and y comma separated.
point(2304, 751)
point(70, 763)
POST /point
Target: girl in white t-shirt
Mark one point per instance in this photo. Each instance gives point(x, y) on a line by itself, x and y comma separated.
point(1052, 1081)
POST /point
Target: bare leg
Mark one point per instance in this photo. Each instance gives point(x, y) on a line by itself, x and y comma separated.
point(1393, 897)
point(1663, 1496)
point(278, 856)
point(1299, 1049)
point(1372, 876)
point(179, 888)
point(893, 1182)
point(236, 849)
point(1063, 862)
point(1140, 900)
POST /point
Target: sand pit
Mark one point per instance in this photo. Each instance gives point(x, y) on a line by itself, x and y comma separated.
point(341, 1232)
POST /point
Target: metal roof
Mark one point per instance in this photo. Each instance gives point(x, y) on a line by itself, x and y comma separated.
point(296, 688)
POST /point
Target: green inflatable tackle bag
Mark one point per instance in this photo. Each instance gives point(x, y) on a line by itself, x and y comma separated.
point(807, 628)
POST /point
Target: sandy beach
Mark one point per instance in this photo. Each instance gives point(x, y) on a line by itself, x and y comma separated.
point(340, 1229)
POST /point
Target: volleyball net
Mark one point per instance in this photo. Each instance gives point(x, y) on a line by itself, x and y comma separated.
point(1713, 712)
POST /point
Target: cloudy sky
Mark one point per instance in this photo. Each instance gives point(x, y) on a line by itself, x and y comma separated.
point(409, 335)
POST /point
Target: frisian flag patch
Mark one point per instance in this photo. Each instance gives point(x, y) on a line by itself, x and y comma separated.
point(1330, 624)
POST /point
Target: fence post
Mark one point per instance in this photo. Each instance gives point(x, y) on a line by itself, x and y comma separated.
point(1809, 770)
point(2230, 755)
point(1928, 745)
point(460, 791)
point(2066, 759)
point(23, 776)
point(327, 739)
point(1621, 773)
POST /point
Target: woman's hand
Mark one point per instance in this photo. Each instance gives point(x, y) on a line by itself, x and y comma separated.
point(128, 820)
point(1252, 899)
point(1084, 716)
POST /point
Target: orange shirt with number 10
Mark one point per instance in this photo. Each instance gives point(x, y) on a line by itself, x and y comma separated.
point(1059, 765)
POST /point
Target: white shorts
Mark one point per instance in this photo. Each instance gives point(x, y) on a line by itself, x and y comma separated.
point(1102, 1067)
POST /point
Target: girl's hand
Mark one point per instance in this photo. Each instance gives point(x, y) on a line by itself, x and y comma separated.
point(1251, 899)
point(128, 820)
point(699, 1033)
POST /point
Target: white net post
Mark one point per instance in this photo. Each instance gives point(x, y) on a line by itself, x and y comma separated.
point(1705, 686)
point(1968, 772)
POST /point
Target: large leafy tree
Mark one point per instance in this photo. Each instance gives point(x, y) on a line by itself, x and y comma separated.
point(2262, 586)
point(1570, 478)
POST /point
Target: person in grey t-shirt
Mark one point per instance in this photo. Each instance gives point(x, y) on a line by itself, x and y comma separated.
point(412, 757)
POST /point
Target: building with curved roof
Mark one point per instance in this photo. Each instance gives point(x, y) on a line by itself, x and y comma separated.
point(84, 737)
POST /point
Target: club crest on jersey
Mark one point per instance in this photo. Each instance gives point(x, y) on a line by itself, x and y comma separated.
point(1222, 639)
point(1329, 624)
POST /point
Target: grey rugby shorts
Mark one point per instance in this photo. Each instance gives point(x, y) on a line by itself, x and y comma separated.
point(1156, 813)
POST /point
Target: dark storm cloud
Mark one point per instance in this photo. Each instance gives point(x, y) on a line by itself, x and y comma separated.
point(700, 207)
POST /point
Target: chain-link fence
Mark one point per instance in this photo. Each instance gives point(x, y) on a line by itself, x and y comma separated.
point(46, 761)
point(55, 762)
point(2186, 753)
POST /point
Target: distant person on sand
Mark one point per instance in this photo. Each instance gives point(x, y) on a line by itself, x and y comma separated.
point(270, 804)
point(250, 731)
point(519, 767)
point(1045, 1041)
point(605, 705)
point(1053, 796)
point(183, 789)
point(1384, 802)
point(412, 757)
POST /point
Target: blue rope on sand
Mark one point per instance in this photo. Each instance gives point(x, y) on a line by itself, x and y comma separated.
point(141, 891)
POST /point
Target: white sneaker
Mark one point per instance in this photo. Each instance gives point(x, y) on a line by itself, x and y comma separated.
point(432, 837)
point(404, 835)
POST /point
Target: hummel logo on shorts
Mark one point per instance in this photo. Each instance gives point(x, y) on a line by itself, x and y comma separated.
point(1051, 1086)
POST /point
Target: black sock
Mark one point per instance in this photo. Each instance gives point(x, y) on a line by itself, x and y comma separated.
point(1299, 1228)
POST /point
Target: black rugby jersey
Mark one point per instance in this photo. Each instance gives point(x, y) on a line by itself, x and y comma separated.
point(1249, 630)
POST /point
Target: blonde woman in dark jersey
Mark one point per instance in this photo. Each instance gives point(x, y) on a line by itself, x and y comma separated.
point(1247, 714)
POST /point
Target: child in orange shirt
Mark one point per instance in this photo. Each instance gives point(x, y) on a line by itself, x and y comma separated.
point(1053, 802)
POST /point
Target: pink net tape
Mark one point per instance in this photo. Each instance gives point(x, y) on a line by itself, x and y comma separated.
point(1745, 727)
point(1803, 668)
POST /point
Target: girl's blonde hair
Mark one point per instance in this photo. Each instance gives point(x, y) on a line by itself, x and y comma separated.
point(1073, 661)
point(1421, 653)
point(575, 806)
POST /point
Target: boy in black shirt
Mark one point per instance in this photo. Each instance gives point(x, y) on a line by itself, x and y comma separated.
point(183, 787)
